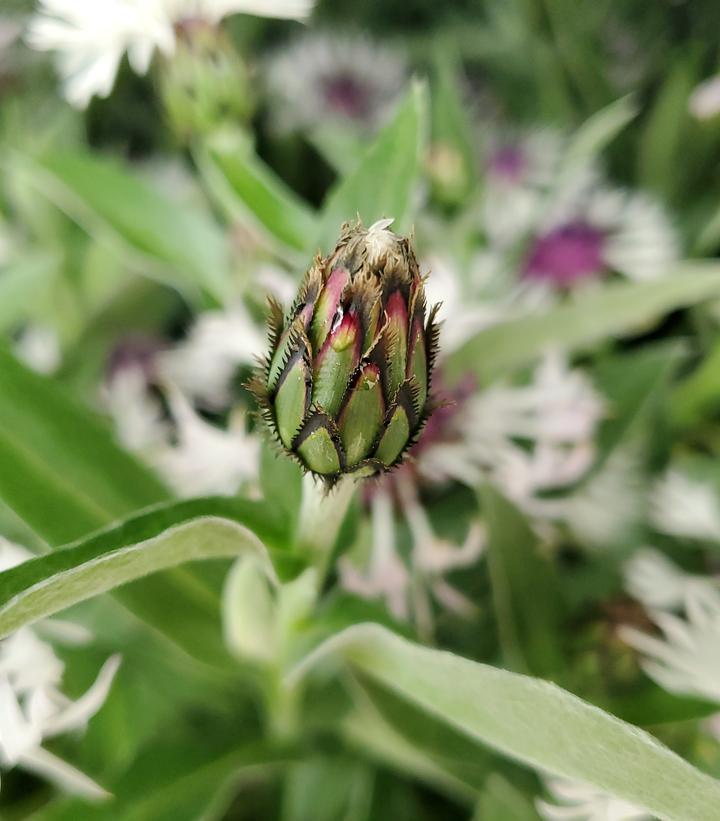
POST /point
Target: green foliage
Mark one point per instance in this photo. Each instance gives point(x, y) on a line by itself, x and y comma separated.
point(618, 308)
point(55, 450)
point(243, 185)
point(531, 720)
point(159, 236)
point(271, 638)
point(384, 181)
point(526, 592)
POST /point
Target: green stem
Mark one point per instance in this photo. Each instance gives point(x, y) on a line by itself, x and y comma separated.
point(282, 707)
point(321, 514)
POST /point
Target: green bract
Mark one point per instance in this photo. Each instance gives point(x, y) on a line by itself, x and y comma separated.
point(346, 385)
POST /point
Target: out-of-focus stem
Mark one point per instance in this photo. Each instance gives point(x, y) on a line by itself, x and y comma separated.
point(321, 515)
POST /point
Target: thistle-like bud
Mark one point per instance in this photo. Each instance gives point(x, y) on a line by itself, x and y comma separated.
point(346, 385)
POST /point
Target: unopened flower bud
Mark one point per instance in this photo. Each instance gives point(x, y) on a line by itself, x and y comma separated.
point(346, 385)
point(205, 83)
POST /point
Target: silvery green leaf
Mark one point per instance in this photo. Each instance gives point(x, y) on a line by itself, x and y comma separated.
point(530, 720)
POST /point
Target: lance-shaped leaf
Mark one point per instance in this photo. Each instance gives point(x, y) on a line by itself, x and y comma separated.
point(615, 309)
point(168, 240)
point(245, 187)
point(528, 719)
point(144, 545)
point(384, 181)
point(61, 470)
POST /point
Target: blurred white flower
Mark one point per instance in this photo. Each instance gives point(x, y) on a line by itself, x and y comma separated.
point(617, 486)
point(10, 31)
point(275, 281)
point(519, 173)
point(594, 229)
point(482, 295)
point(323, 79)
point(406, 588)
point(558, 411)
point(656, 582)
point(386, 576)
point(138, 415)
point(467, 316)
point(573, 226)
point(577, 801)
point(90, 37)
point(205, 459)
point(705, 99)
point(687, 659)
point(159, 424)
point(32, 707)
point(685, 507)
point(38, 346)
point(205, 362)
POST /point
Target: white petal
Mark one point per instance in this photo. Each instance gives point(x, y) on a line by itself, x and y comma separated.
point(705, 99)
point(78, 712)
point(17, 734)
point(67, 777)
point(286, 9)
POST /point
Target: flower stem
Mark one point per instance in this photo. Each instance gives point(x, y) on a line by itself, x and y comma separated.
point(282, 706)
point(321, 515)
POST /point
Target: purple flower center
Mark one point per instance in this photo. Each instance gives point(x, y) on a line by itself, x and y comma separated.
point(134, 351)
point(508, 163)
point(566, 254)
point(347, 95)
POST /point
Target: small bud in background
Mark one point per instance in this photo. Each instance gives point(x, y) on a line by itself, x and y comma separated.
point(448, 173)
point(346, 385)
point(204, 83)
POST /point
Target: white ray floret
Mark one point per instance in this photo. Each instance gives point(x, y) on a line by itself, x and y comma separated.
point(90, 37)
point(576, 801)
point(686, 659)
point(686, 507)
point(32, 706)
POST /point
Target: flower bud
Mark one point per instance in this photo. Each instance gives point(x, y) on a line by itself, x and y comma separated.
point(346, 384)
point(205, 84)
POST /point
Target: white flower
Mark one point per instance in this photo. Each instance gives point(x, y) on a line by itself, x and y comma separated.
point(204, 364)
point(206, 459)
point(540, 197)
point(275, 281)
point(140, 423)
point(10, 31)
point(581, 802)
point(558, 411)
point(617, 486)
point(651, 578)
point(519, 172)
point(386, 576)
point(685, 507)
point(705, 99)
point(594, 229)
point(687, 659)
point(90, 37)
point(322, 80)
point(475, 301)
point(32, 707)
point(38, 346)
point(406, 589)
